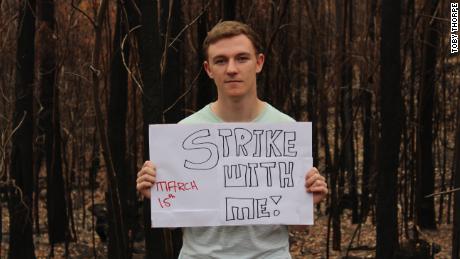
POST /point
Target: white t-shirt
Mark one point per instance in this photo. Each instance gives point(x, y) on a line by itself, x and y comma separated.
point(239, 242)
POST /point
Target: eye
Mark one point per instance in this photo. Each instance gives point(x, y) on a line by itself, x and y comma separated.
point(242, 59)
point(219, 61)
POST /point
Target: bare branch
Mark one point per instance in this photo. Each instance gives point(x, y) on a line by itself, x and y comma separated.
point(183, 95)
point(138, 83)
point(3, 148)
point(444, 192)
point(82, 12)
point(78, 75)
point(190, 24)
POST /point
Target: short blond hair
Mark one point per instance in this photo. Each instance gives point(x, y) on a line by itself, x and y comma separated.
point(228, 29)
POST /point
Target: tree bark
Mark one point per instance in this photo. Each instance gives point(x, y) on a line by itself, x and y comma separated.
point(116, 128)
point(171, 79)
point(19, 203)
point(391, 120)
point(157, 241)
point(456, 176)
point(368, 136)
point(426, 217)
point(346, 115)
point(113, 193)
point(58, 229)
point(228, 10)
point(206, 89)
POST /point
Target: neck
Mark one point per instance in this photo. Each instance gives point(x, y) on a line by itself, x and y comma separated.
point(240, 110)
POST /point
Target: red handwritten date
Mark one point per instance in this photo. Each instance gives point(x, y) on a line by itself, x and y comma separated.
point(173, 186)
point(165, 202)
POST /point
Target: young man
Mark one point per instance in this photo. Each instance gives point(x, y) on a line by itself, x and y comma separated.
point(233, 58)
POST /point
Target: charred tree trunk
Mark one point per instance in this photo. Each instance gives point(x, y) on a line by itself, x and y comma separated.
point(206, 89)
point(116, 125)
point(312, 78)
point(337, 180)
point(58, 230)
point(171, 82)
point(456, 176)
point(157, 241)
point(113, 197)
point(346, 116)
point(20, 199)
point(228, 10)
point(171, 24)
point(426, 217)
point(368, 137)
point(391, 124)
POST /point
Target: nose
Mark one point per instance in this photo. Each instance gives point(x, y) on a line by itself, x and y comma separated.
point(231, 67)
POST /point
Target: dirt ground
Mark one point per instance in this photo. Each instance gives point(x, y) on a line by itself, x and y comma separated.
point(309, 243)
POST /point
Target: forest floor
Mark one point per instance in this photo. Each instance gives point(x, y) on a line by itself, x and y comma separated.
point(309, 243)
point(313, 242)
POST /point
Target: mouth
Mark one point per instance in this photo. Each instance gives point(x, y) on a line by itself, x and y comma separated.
point(233, 81)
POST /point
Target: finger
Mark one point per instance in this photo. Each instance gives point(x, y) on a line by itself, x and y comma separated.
point(311, 172)
point(143, 185)
point(318, 190)
point(318, 184)
point(316, 177)
point(147, 170)
point(146, 178)
point(150, 171)
point(312, 188)
point(148, 164)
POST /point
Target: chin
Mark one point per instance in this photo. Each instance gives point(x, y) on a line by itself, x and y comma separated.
point(235, 92)
point(236, 96)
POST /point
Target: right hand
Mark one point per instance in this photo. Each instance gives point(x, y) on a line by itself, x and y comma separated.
point(146, 178)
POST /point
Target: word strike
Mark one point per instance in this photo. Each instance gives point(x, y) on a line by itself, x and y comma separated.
point(238, 142)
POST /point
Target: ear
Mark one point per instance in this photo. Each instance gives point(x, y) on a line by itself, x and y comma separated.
point(260, 59)
point(208, 70)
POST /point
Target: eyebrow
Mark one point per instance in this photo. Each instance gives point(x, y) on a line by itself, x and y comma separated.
point(239, 54)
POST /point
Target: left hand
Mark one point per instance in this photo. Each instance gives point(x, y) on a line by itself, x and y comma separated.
point(316, 184)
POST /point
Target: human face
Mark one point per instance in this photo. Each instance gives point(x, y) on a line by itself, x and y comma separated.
point(233, 65)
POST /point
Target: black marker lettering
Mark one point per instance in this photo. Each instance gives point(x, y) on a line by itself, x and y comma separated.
point(192, 143)
point(239, 208)
point(286, 177)
point(225, 133)
point(233, 177)
point(261, 205)
point(268, 166)
point(289, 139)
point(251, 176)
point(270, 145)
point(258, 144)
point(242, 137)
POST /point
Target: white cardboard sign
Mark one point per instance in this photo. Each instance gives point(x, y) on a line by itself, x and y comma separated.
point(231, 174)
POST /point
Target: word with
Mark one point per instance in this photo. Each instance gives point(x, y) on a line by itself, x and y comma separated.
point(242, 175)
point(453, 27)
point(238, 142)
point(249, 208)
point(174, 186)
point(164, 203)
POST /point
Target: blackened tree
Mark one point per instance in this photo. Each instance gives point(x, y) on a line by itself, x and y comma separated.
point(49, 121)
point(391, 124)
point(425, 168)
point(456, 176)
point(157, 241)
point(19, 203)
